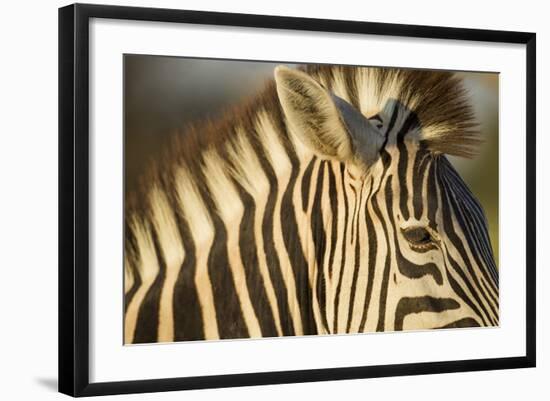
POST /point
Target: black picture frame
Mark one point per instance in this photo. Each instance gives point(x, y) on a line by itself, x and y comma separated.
point(74, 198)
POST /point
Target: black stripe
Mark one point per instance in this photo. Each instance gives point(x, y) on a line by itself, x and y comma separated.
point(384, 154)
point(373, 247)
point(332, 192)
point(402, 178)
point(319, 240)
point(249, 257)
point(306, 183)
point(272, 258)
point(132, 291)
point(432, 201)
point(188, 324)
point(393, 119)
point(292, 241)
point(465, 322)
point(354, 214)
point(412, 270)
point(148, 316)
point(403, 161)
point(420, 169)
point(354, 280)
point(387, 264)
point(229, 314)
point(409, 305)
point(344, 247)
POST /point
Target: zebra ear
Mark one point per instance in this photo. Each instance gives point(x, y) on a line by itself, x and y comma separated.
point(327, 124)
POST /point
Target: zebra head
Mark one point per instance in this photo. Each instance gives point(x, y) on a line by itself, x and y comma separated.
point(414, 250)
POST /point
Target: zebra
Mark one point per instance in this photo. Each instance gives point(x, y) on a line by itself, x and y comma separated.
point(326, 204)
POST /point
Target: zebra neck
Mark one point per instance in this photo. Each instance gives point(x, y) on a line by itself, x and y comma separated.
point(335, 240)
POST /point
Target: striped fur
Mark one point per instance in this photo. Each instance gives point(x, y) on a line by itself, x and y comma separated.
point(245, 230)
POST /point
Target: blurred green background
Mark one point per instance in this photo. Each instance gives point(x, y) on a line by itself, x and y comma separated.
point(165, 93)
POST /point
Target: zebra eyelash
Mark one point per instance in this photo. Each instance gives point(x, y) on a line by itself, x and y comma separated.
point(420, 238)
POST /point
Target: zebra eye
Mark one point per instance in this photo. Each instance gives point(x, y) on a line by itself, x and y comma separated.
point(419, 238)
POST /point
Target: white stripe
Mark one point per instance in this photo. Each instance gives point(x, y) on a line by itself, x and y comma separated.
point(202, 230)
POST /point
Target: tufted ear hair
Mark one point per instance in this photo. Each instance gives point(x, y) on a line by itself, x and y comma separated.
point(331, 127)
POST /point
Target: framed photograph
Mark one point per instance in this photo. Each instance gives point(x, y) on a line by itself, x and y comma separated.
point(249, 199)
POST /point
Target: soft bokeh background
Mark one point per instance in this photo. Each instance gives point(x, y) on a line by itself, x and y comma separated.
point(164, 93)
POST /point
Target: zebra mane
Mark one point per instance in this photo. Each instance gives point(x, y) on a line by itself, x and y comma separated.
point(438, 98)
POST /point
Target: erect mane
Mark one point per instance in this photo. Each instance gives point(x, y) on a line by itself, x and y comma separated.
point(438, 98)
